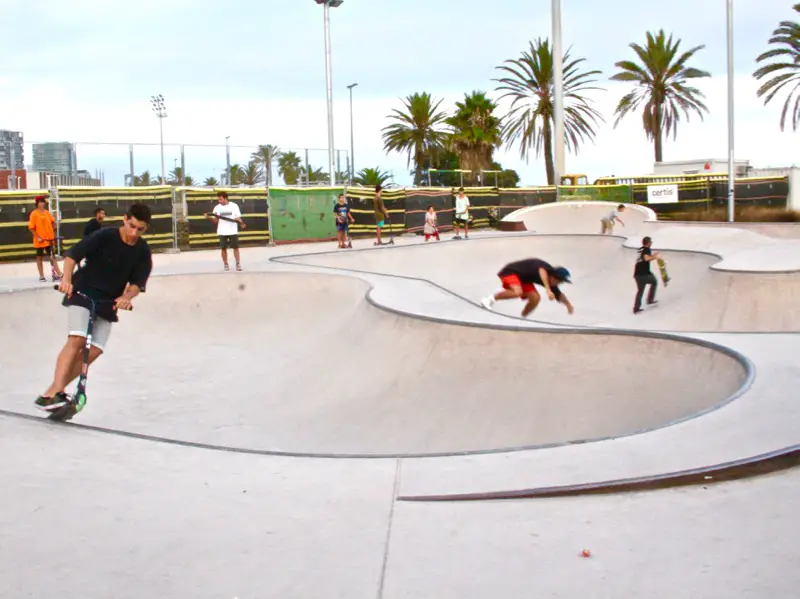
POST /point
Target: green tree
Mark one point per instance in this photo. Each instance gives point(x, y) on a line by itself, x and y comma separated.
point(143, 180)
point(783, 72)
point(237, 174)
point(175, 175)
point(252, 174)
point(289, 167)
point(210, 182)
point(418, 130)
point(264, 157)
point(314, 175)
point(371, 177)
point(661, 87)
point(188, 181)
point(475, 132)
point(530, 120)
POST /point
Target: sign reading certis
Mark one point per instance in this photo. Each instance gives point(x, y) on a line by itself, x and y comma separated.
point(662, 194)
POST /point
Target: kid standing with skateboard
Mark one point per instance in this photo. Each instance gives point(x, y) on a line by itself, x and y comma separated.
point(519, 280)
point(461, 214)
point(643, 276)
point(228, 217)
point(431, 228)
point(343, 219)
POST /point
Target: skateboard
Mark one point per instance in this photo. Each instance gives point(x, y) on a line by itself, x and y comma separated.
point(390, 242)
point(220, 217)
point(662, 267)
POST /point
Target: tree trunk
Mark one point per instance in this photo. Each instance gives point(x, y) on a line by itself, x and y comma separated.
point(548, 151)
point(657, 138)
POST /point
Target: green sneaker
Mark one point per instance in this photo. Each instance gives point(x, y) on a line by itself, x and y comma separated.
point(48, 404)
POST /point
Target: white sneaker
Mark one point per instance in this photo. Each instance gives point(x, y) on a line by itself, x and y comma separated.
point(488, 302)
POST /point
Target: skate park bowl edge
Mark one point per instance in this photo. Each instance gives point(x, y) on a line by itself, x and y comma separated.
point(305, 364)
point(580, 217)
point(700, 297)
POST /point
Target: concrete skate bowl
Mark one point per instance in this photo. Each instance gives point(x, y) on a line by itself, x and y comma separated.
point(580, 217)
point(697, 299)
point(306, 365)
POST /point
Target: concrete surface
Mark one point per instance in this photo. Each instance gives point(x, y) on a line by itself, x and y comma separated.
point(303, 364)
point(141, 517)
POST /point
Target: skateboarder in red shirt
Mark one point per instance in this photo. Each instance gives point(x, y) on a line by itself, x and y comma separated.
point(520, 279)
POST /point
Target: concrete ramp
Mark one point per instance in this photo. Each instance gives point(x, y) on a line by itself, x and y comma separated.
point(303, 364)
point(580, 217)
point(699, 297)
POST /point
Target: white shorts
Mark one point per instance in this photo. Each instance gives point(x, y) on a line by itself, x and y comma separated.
point(78, 321)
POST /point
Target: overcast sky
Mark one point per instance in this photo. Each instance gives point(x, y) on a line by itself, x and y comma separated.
point(83, 70)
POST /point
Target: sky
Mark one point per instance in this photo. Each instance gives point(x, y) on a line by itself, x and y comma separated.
point(84, 71)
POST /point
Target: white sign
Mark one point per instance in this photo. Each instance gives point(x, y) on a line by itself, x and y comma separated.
point(662, 194)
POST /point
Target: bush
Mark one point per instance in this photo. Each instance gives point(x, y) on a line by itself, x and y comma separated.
point(745, 214)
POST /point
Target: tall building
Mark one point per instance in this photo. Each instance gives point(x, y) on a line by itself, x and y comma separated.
point(9, 140)
point(55, 157)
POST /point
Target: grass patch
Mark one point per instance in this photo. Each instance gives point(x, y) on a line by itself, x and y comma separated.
point(744, 214)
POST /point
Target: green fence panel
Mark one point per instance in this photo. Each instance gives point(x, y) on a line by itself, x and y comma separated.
point(303, 214)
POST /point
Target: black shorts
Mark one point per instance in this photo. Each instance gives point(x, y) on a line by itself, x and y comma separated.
point(341, 227)
point(45, 251)
point(229, 241)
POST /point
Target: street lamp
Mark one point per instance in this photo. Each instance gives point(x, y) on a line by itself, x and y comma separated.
point(161, 112)
point(731, 163)
point(558, 93)
point(352, 150)
point(328, 4)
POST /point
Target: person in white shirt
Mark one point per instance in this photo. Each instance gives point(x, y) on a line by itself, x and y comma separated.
point(461, 215)
point(227, 217)
point(607, 222)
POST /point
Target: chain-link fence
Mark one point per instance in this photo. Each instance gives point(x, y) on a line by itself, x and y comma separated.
point(121, 164)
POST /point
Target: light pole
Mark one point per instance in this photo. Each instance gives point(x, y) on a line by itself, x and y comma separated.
point(352, 146)
point(328, 4)
point(161, 112)
point(227, 161)
point(558, 93)
point(731, 163)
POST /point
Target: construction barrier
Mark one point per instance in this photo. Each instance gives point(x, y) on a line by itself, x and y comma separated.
point(297, 214)
point(75, 206)
point(199, 232)
point(361, 201)
point(16, 241)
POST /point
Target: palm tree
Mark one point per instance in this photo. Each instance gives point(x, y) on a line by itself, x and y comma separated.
point(661, 85)
point(418, 131)
point(188, 180)
point(289, 167)
point(175, 175)
point(237, 174)
point(476, 131)
point(210, 182)
point(786, 71)
point(314, 175)
point(371, 177)
point(264, 157)
point(143, 180)
point(252, 174)
point(530, 119)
